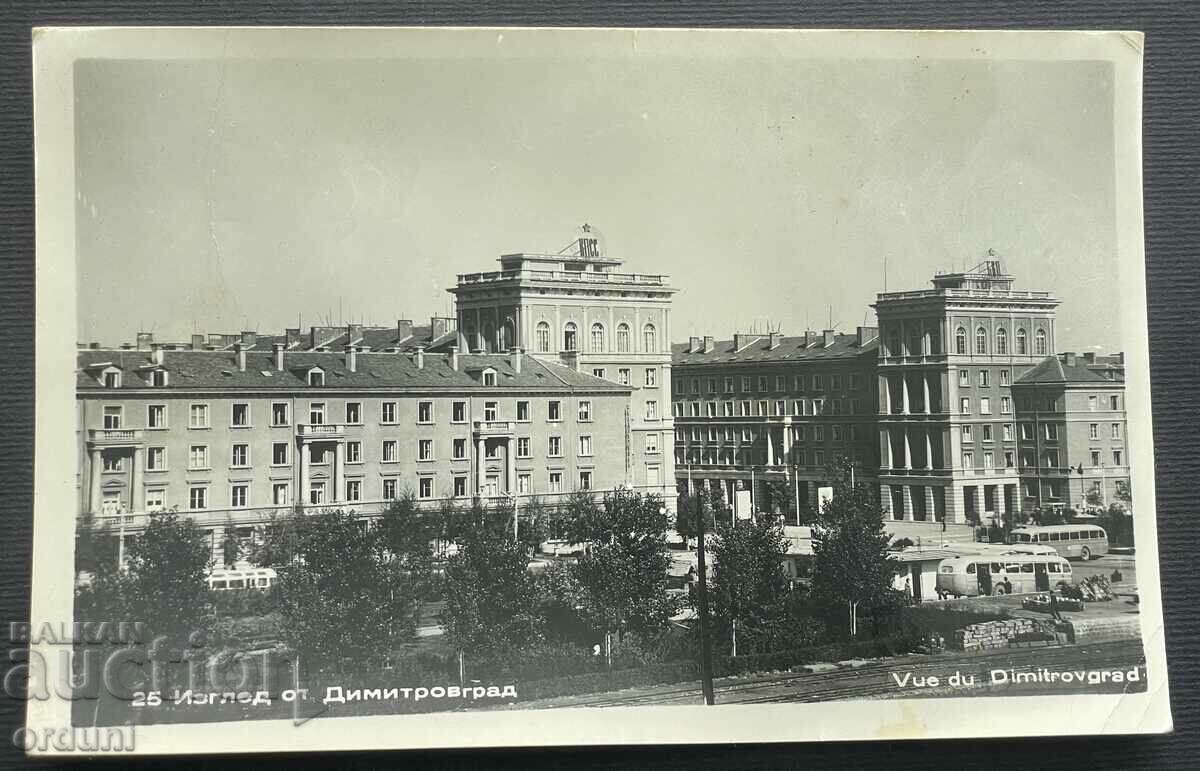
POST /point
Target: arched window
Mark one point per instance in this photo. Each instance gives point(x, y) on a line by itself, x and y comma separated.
point(543, 337)
point(622, 338)
point(1022, 347)
point(960, 340)
point(1001, 341)
point(489, 337)
point(981, 340)
point(597, 338)
point(649, 339)
point(569, 336)
point(1039, 342)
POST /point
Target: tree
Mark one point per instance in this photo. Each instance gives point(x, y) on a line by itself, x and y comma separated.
point(624, 573)
point(851, 567)
point(164, 584)
point(95, 549)
point(780, 499)
point(749, 588)
point(491, 600)
point(346, 599)
point(685, 514)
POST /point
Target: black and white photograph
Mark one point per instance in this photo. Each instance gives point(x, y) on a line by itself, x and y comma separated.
point(447, 387)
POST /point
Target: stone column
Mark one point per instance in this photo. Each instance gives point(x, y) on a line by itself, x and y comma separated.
point(770, 446)
point(96, 471)
point(480, 463)
point(904, 383)
point(886, 382)
point(978, 496)
point(887, 447)
point(885, 499)
point(305, 461)
point(930, 505)
point(925, 384)
point(510, 471)
point(339, 472)
point(906, 495)
point(928, 448)
point(787, 440)
point(907, 450)
point(955, 512)
point(137, 496)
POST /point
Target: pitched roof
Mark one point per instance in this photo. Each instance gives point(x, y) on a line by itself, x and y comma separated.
point(844, 346)
point(1052, 369)
point(218, 369)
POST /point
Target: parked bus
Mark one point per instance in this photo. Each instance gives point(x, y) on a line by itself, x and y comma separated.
point(251, 578)
point(1082, 541)
point(978, 575)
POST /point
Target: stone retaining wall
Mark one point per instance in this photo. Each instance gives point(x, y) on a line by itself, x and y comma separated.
point(997, 634)
point(1105, 629)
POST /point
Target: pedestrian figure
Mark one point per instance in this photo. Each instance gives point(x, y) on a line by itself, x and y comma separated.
point(1007, 585)
point(1054, 607)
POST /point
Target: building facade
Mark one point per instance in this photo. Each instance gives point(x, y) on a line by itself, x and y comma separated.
point(575, 308)
point(964, 386)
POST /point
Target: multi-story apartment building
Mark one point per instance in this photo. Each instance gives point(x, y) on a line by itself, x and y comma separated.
point(1072, 426)
point(237, 435)
point(963, 387)
point(577, 309)
point(769, 408)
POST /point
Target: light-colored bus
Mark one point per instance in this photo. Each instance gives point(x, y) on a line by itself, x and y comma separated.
point(977, 575)
point(1070, 541)
point(250, 578)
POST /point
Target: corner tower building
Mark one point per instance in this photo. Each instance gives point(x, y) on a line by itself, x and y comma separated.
point(575, 307)
point(948, 357)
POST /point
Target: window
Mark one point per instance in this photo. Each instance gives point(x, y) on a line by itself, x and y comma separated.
point(1006, 432)
point(747, 385)
point(354, 452)
point(279, 453)
point(354, 413)
point(649, 339)
point(425, 487)
point(710, 409)
point(984, 378)
point(652, 409)
point(585, 445)
point(543, 337)
point(353, 490)
point(966, 433)
point(316, 413)
point(156, 500)
point(1022, 346)
point(964, 405)
point(554, 447)
point(156, 416)
point(585, 480)
point(239, 496)
point(652, 378)
point(458, 412)
point(727, 409)
point(112, 379)
point(524, 484)
point(597, 338)
point(240, 457)
point(489, 377)
point(241, 416)
point(198, 416)
point(389, 451)
point(818, 433)
point(598, 372)
point(818, 457)
point(1005, 405)
point(985, 405)
point(968, 460)
point(780, 407)
point(113, 463)
point(622, 338)
point(695, 383)
point(1008, 459)
point(816, 382)
point(1051, 459)
point(1052, 432)
point(279, 414)
point(489, 411)
point(987, 432)
point(158, 378)
point(623, 376)
point(651, 443)
point(569, 336)
point(1001, 341)
point(554, 410)
point(198, 456)
point(316, 378)
point(1027, 431)
point(728, 384)
point(460, 487)
point(1093, 430)
point(523, 447)
point(1039, 342)
point(964, 378)
point(980, 340)
point(1115, 430)
point(960, 341)
point(387, 412)
point(762, 383)
point(1095, 457)
point(1003, 377)
point(1114, 402)
point(1117, 458)
point(836, 433)
point(389, 489)
point(156, 459)
point(585, 411)
point(424, 449)
point(556, 481)
point(424, 412)
point(198, 498)
point(987, 460)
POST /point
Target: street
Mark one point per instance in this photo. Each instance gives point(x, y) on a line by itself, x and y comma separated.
point(879, 679)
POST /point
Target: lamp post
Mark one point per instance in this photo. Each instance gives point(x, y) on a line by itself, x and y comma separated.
point(706, 683)
point(1082, 495)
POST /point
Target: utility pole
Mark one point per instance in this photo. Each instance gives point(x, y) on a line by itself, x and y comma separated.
point(706, 680)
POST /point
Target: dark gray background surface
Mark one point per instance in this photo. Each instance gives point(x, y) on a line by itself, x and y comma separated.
point(1172, 238)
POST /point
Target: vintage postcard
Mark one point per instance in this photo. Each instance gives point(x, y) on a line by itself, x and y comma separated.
point(503, 387)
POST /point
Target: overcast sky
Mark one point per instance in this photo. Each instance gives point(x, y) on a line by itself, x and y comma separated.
point(214, 197)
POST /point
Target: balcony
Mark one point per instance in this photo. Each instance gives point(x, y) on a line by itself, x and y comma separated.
point(493, 428)
point(586, 277)
point(319, 431)
point(115, 437)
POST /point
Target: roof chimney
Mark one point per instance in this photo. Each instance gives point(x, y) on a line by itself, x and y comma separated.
point(352, 358)
point(278, 348)
point(249, 338)
point(1089, 357)
point(710, 344)
point(144, 340)
point(516, 360)
point(404, 329)
point(454, 357)
point(866, 335)
point(693, 345)
point(240, 349)
point(828, 334)
point(1069, 358)
point(773, 340)
point(742, 340)
point(197, 342)
point(292, 336)
point(157, 355)
point(353, 332)
point(420, 357)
